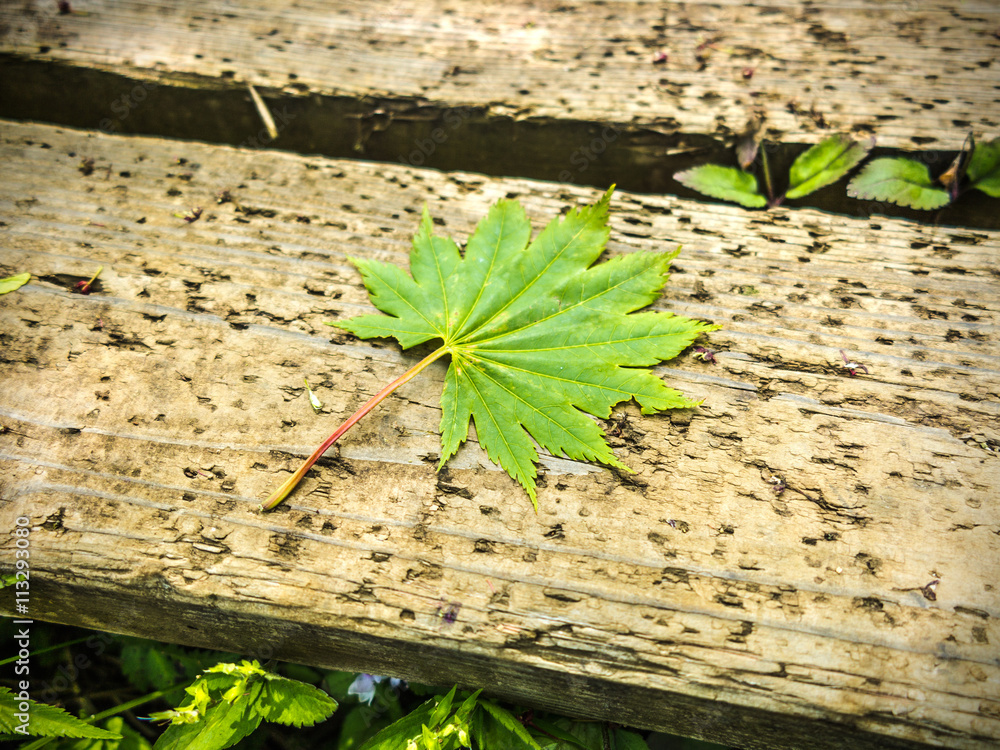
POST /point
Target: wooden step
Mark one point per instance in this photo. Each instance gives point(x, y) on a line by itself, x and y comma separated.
point(590, 92)
point(810, 558)
point(890, 69)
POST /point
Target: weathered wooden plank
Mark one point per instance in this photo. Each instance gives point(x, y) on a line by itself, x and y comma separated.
point(856, 606)
point(914, 75)
point(566, 93)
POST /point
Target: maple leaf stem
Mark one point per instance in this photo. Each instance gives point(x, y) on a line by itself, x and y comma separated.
point(285, 490)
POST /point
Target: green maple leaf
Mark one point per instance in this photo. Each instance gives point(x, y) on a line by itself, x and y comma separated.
point(538, 335)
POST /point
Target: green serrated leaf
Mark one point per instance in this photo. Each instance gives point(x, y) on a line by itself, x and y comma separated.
point(984, 168)
point(589, 735)
point(295, 703)
point(487, 732)
point(510, 724)
point(463, 712)
point(222, 724)
point(626, 740)
point(43, 720)
point(537, 335)
point(244, 669)
point(229, 701)
point(130, 739)
point(14, 282)
point(303, 673)
point(824, 164)
point(201, 693)
point(398, 734)
point(724, 183)
point(566, 738)
point(437, 724)
point(901, 181)
point(443, 708)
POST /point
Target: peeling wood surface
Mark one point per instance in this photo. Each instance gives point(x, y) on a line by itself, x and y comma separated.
point(917, 74)
point(857, 606)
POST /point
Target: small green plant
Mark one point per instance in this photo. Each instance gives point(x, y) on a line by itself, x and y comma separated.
point(907, 182)
point(819, 166)
point(229, 701)
point(314, 402)
point(537, 333)
point(442, 723)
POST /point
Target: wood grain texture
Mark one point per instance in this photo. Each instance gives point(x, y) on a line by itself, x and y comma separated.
point(150, 418)
point(918, 75)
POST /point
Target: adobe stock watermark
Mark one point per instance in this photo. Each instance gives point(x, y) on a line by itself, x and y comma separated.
point(585, 155)
point(22, 635)
point(425, 147)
